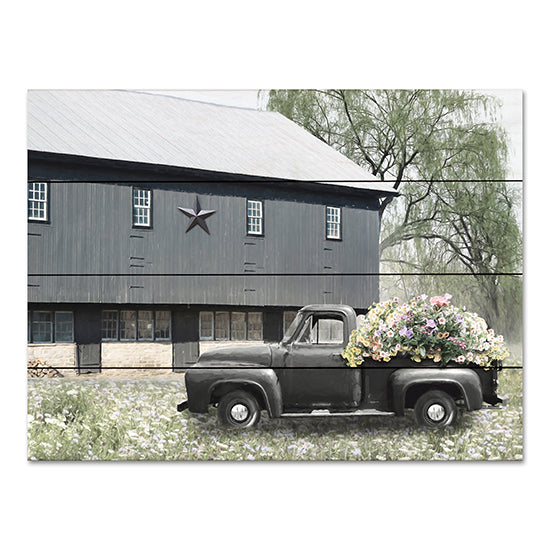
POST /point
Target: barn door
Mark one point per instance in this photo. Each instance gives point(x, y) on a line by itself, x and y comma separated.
point(89, 358)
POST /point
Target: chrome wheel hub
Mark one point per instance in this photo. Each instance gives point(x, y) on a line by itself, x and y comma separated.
point(239, 412)
point(435, 412)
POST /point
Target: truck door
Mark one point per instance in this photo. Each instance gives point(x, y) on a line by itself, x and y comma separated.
point(314, 374)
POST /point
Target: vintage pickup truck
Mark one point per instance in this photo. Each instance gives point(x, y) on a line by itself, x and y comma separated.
point(305, 375)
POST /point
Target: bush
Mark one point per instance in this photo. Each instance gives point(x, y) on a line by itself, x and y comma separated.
point(424, 329)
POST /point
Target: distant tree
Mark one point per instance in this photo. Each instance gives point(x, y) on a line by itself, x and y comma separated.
point(424, 142)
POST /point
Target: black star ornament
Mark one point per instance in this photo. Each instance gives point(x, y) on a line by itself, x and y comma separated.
point(197, 216)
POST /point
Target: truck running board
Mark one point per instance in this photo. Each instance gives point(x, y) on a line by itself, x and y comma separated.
point(327, 413)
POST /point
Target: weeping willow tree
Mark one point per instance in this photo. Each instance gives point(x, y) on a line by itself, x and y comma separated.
point(446, 155)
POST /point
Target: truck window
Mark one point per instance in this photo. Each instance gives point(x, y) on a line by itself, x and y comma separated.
point(292, 328)
point(322, 330)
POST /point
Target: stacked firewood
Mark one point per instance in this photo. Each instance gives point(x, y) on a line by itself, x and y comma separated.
point(38, 368)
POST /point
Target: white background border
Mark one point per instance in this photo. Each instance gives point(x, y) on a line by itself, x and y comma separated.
point(243, 45)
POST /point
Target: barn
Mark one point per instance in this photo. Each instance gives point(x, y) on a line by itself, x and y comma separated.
point(159, 227)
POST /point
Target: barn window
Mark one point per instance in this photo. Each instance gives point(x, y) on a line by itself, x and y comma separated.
point(254, 217)
point(145, 325)
point(238, 325)
point(131, 325)
point(109, 325)
point(221, 325)
point(141, 213)
point(333, 223)
point(206, 325)
point(64, 326)
point(42, 327)
point(127, 325)
point(255, 326)
point(50, 326)
point(230, 325)
point(162, 325)
point(37, 202)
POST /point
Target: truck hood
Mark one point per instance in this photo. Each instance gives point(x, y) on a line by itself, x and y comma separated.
point(253, 355)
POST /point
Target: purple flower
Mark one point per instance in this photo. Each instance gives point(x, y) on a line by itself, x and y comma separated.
point(431, 323)
point(406, 332)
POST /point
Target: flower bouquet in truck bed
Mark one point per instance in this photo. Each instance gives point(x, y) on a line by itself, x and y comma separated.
point(423, 329)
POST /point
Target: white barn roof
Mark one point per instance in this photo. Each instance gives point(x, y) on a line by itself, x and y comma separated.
point(164, 130)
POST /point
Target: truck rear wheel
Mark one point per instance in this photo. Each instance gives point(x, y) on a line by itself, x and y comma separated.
point(435, 409)
point(238, 409)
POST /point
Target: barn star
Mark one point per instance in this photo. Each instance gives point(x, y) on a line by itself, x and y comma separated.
point(197, 216)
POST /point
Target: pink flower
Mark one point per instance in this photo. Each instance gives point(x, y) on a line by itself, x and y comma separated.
point(440, 300)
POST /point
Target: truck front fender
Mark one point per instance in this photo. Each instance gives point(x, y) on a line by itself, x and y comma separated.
point(207, 385)
point(409, 383)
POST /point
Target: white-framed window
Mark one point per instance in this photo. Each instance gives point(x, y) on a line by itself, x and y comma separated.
point(109, 325)
point(50, 326)
point(127, 325)
point(37, 202)
point(230, 325)
point(255, 326)
point(42, 327)
point(221, 325)
point(162, 325)
point(206, 325)
point(333, 222)
point(145, 325)
point(238, 325)
point(64, 326)
point(141, 207)
point(254, 217)
point(132, 325)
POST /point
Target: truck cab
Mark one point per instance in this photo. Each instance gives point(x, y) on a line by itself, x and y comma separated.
point(306, 375)
point(311, 370)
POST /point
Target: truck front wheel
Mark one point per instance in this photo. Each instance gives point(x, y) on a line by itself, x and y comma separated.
point(238, 409)
point(435, 409)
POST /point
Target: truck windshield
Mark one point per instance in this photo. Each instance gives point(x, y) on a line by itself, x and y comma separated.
point(292, 328)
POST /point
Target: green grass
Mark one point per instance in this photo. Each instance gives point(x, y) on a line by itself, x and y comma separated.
point(137, 420)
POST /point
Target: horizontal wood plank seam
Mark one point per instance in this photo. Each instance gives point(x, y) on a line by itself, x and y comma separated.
point(517, 367)
point(152, 180)
point(262, 274)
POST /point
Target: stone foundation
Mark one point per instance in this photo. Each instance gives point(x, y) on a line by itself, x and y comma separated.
point(136, 354)
point(57, 355)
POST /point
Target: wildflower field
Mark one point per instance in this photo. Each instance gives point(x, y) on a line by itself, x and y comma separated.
point(93, 419)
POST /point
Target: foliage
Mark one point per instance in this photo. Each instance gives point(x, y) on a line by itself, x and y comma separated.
point(446, 155)
point(403, 134)
point(422, 329)
point(73, 419)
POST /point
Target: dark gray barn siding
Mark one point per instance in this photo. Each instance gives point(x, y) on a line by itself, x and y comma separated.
point(89, 252)
point(357, 290)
